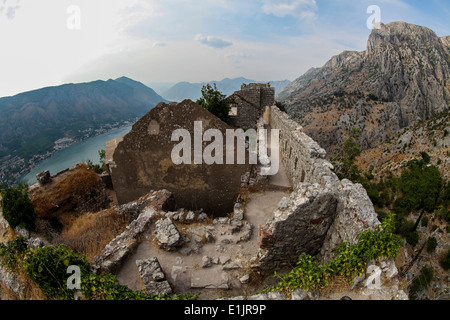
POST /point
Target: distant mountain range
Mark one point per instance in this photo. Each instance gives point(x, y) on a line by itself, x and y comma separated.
point(31, 122)
point(188, 90)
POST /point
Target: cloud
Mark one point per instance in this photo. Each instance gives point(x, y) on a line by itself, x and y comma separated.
point(9, 7)
point(236, 54)
point(159, 44)
point(212, 41)
point(304, 9)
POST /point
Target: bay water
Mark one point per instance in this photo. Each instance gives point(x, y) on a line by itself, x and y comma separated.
point(74, 154)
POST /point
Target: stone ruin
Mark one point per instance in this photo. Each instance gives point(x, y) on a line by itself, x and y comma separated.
point(142, 161)
point(248, 104)
point(321, 212)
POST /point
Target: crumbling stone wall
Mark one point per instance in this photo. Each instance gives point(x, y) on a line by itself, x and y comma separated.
point(250, 103)
point(142, 161)
point(321, 212)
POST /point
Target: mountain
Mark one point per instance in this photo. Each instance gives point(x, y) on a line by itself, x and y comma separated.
point(187, 90)
point(31, 122)
point(391, 157)
point(402, 77)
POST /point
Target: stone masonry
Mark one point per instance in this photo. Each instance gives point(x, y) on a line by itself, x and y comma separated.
point(250, 103)
point(321, 212)
point(142, 161)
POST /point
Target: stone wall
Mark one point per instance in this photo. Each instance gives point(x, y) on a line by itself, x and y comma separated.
point(321, 212)
point(250, 103)
point(142, 161)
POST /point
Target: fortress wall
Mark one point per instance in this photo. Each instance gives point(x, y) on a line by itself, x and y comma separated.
point(303, 158)
point(321, 212)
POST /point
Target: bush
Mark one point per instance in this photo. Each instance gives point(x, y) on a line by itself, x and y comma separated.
point(445, 261)
point(412, 238)
point(421, 282)
point(47, 267)
point(420, 187)
point(424, 222)
point(349, 261)
point(431, 244)
point(107, 287)
point(280, 106)
point(13, 252)
point(17, 208)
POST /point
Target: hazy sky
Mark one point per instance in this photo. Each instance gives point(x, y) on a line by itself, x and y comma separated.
point(51, 42)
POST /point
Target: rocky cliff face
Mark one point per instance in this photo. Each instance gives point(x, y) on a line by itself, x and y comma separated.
point(403, 76)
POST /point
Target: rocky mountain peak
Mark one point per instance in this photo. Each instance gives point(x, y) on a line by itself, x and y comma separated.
point(399, 34)
point(402, 77)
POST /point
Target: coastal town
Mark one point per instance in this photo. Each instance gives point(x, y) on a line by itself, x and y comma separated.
point(13, 168)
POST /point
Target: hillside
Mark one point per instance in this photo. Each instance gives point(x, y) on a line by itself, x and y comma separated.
point(188, 90)
point(31, 122)
point(431, 136)
point(402, 77)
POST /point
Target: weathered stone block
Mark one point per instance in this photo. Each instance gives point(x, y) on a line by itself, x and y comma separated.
point(167, 235)
point(44, 178)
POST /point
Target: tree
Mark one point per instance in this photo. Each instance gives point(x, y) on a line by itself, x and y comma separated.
point(215, 102)
point(350, 152)
point(420, 187)
point(280, 106)
point(17, 207)
point(99, 168)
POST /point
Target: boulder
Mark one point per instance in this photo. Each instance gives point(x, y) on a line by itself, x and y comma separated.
point(44, 178)
point(167, 235)
point(153, 277)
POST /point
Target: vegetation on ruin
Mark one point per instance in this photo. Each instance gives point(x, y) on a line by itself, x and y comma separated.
point(280, 105)
point(350, 260)
point(47, 268)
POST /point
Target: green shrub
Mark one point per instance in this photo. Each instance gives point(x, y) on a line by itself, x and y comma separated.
point(431, 244)
point(424, 221)
point(412, 238)
point(421, 282)
point(445, 261)
point(406, 229)
point(420, 187)
point(107, 287)
point(349, 260)
point(307, 275)
point(47, 267)
point(17, 208)
point(13, 252)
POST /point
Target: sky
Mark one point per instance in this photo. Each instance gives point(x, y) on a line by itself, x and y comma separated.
point(52, 42)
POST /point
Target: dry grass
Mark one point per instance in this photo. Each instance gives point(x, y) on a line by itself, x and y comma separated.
point(67, 193)
point(337, 284)
point(90, 233)
point(31, 292)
